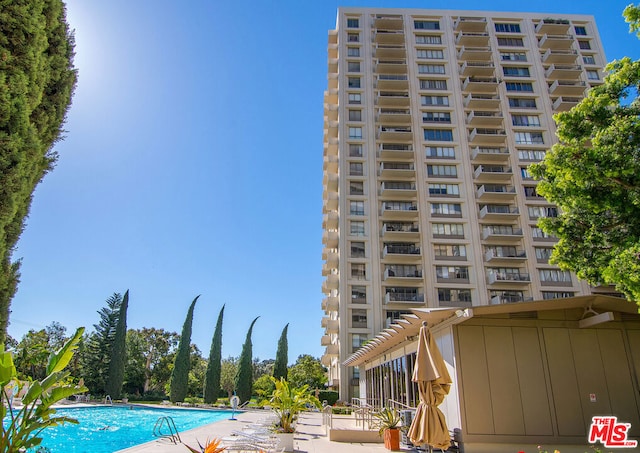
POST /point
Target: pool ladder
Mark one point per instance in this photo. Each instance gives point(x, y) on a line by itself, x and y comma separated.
point(165, 428)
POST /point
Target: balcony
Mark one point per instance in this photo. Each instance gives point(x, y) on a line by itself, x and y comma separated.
point(384, 22)
point(556, 42)
point(511, 255)
point(332, 82)
point(470, 24)
point(398, 190)
point(481, 102)
point(391, 66)
point(472, 39)
point(330, 303)
point(332, 64)
point(331, 96)
point(480, 84)
point(394, 116)
point(564, 103)
point(392, 82)
point(556, 283)
point(567, 88)
point(402, 253)
point(503, 277)
point(332, 281)
point(325, 340)
point(330, 181)
point(508, 299)
point(486, 155)
point(475, 53)
point(390, 274)
point(559, 71)
point(333, 350)
point(330, 164)
point(560, 56)
point(483, 118)
point(396, 170)
point(403, 296)
point(553, 27)
point(390, 51)
point(332, 51)
point(400, 133)
point(492, 173)
point(393, 99)
point(502, 233)
point(325, 360)
point(330, 220)
point(332, 326)
point(477, 68)
point(330, 239)
point(395, 150)
point(332, 260)
point(494, 137)
point(499, 213)
point(400, 231)
point(388, 36)
point(331, 147)
point(330, 201)
point(399, 210)
point(495, 193)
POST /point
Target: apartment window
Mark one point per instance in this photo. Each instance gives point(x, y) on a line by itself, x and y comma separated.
point(433, 84)
point(448, 171)
point(449, 250)
point(441, 152)
point(357, 250)
point(430, 54)
point(431, 69)
point(532, 155)
point(353, 22)
point(593, 75)
point(522, 103)
point(357, 340)
point(359, 318)
point(529, 138)
point(426, 25)
point(355, 115)
point(356, 188)
point(588, 59)
point(547, 295)
point(536, 212)
point(454, 295)
point(354, 82)
point(355, 98)
point(403, 270)
point(513, 56)
point(436, 117)
point(441, 135)
point(355, 150)
point(507, 28)
point(512, 42)
point(356, 169)
point(538, 233)
point(452, 190)
point(446, 209)
point(356, 228)
point(525, 120)
point(543, 253)
point(584, 45)
point(355, 132)
point(519, 86)
point(356, 207)
point(358, 294)
point(353, 51)
point(524, 172)
point(428, 39)
point(452, 272)
point(514, 71)
point(353, 66)
point(554, 275)
point(580, 31)
point(434, 100)
point(358, 271)
point(399, 206)
point(448, 229)
point(353, 37)
point(505, 251)
point(530, 192)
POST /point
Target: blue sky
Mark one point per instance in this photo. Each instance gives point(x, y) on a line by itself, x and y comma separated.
point(192, 164)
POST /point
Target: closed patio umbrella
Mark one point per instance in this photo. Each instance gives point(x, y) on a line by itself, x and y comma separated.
point(430, 372)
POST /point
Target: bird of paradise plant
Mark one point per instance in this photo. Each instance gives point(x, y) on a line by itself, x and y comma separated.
point(211, 446)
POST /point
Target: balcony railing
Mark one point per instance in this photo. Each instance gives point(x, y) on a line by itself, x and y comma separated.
point(504, 277)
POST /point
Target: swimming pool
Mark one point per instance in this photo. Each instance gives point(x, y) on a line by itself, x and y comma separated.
point(105, 429)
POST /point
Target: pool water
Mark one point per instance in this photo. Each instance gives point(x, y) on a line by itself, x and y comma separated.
point(106, 429)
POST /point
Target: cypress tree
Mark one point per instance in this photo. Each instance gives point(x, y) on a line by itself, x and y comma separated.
point(37, 79)
point(182, 363)
point(113, 386)
point(212, 375)
point(244, 375)
point(282, 356)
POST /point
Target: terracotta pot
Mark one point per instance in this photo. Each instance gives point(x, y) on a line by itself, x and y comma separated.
point(392, 438)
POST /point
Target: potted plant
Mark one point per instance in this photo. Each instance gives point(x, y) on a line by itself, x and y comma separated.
point(287, 402)
point(388, 424)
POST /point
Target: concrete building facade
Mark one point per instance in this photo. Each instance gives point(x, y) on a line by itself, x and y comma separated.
point(431, 118)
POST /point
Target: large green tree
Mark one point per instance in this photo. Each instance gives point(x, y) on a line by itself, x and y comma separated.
point(228, 371)
point(282, 356)
point(212, 375)
point(37, 79)
point(244, 376)
point(593, 175)
point(157, 347)
point(179, 385)
point(308, 371)
point(115, 379)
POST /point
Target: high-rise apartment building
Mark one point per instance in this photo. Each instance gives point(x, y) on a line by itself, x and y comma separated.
point(431, 119)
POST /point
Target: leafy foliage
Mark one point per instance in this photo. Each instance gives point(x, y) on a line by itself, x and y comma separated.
point(387, 418)
point(632, 15)
point(22, 427)
point(282, 356)
point(113, 386)
point(308, 371)
point(288, 401)
point(593, 175)
point(244, 376)
point(212, 375)
point(228, 371)
point(37, 80)
point(180, 375)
